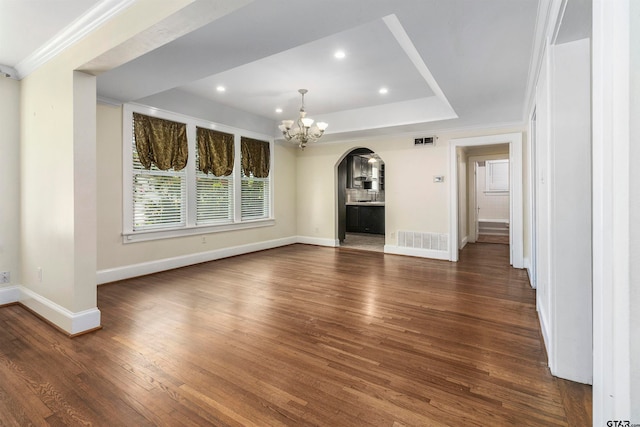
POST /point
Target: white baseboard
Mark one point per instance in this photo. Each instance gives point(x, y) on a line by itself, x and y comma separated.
point(546, 336)
point(318, 241)
point(465, 240)
point(422, 253)
point(120, 273)
point(527, 265)
point(68, 321)
point(9, 295)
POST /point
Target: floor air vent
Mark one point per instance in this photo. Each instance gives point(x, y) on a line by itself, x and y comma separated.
point(414, 239)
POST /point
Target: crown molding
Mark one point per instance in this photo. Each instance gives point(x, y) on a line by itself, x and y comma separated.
point(549, 16)
point(10, 72)
point(78, 29)
point(109, 101)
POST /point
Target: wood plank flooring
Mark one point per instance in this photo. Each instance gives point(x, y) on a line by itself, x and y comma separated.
point(295, 336)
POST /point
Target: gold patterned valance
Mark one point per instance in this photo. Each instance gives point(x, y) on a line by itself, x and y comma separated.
point(160, 142)
point(215, 151)
point(255, 157)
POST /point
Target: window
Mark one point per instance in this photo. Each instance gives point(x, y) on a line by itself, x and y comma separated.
point(255, 178)
point(159, 198)
point(180, 176)
point(214, 177)
point(497, 176)
point(159, 185)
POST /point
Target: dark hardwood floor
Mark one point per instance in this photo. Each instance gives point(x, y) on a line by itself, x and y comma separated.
point(296, 336)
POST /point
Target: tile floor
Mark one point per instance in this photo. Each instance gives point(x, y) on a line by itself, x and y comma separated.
point(364, 241)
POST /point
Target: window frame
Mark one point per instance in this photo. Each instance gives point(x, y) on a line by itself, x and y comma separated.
point(191, 228)
point(493, 187)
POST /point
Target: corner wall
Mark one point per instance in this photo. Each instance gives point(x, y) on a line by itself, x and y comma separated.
point(57, 174)
point(9, 187)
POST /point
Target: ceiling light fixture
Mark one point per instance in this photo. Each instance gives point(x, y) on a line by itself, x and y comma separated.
point(305, 131)
point(383, 90)
point(221, 89)
point(340, 54)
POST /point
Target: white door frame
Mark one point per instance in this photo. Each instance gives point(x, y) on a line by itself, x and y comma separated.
point(611, 112)
point(472, 163)
point(516, 236)
point(533, 201)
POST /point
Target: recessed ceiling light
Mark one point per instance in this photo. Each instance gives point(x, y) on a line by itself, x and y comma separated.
point(339, 54)
point(221, 88)
point(383, 90)
point(278, 110)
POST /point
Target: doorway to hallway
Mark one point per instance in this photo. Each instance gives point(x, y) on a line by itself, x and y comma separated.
point(491, 200)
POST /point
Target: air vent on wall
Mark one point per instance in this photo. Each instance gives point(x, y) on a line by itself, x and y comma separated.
point(429, 140)
point(418, 240)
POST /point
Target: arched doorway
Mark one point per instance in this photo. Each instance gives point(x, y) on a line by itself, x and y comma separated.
point(361, 201)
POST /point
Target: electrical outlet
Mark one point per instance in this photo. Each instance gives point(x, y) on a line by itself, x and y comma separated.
point(5, 277)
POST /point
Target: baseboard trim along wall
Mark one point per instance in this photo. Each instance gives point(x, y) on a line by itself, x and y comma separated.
point(465, 240)
point(68, 321)
point(546, 337)
point(121, 273)
point(318, 241)
point(9, 295)
point(417, 252)
point(527, 266)
point(156, 266)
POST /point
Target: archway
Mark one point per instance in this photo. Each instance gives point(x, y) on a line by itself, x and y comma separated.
point(360, 200)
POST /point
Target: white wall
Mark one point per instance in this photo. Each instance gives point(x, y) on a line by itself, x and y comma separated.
point(564, 210)
point(571, 210)
point(542, 195)
point(413, 201)
point(9, 184)
point(614, 85)
point(634, 209)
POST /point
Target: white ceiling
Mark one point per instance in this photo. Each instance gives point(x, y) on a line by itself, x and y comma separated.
point(446, 63)
point(26, 25)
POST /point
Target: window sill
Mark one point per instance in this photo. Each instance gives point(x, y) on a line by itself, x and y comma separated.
point(144, 236)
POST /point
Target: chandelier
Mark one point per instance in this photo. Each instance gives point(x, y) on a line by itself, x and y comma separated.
point(305, 131)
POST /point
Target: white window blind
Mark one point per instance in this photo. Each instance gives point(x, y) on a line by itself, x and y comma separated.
point(214, 198)
point(163, 204)
point(255, 197)
point(497, 176)
point(159, 197)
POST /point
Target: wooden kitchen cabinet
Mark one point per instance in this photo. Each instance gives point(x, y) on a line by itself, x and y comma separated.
point(365, 219)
